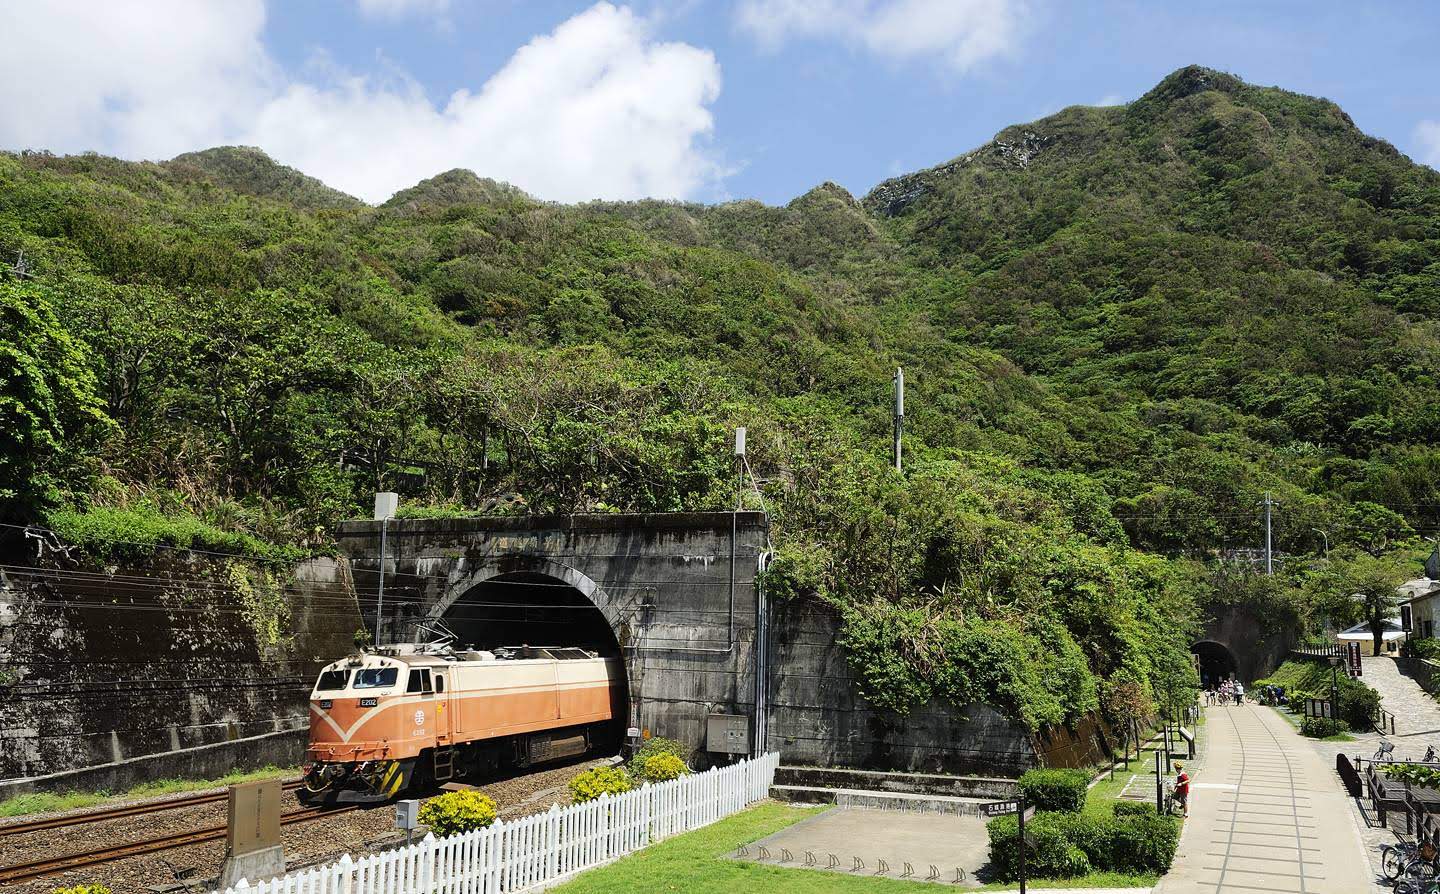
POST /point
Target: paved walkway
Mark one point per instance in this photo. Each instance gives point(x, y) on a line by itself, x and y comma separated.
point(1266, 814)
point(1417, 713)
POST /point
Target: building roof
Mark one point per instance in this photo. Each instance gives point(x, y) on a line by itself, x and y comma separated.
point(1361, 632)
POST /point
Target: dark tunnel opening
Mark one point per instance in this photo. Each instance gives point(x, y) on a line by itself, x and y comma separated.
point(530, 608)
point(1216, 663)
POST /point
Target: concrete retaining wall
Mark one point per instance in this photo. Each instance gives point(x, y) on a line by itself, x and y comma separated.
point(818, 718)
point(205, 762)
point(104, 665)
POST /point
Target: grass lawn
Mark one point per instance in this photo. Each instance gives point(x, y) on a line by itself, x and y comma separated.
point(45, 802)
point(696, 863)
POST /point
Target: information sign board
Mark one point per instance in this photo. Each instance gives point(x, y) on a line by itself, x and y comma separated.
point(254, 817)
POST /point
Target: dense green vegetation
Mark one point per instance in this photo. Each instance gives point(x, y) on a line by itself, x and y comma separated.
point(1121, 326)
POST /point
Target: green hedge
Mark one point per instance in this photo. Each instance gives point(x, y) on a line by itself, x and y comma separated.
point(1055, 789)
point(1134, 808)
point(1064, 845)
point(1051, 854)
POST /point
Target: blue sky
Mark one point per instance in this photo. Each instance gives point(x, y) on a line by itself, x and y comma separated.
point(703, 100)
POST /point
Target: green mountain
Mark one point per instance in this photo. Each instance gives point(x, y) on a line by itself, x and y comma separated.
point(248, 170)
point(1121, 328)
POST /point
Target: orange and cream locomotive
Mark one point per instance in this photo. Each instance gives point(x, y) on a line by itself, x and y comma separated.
point(407, 716)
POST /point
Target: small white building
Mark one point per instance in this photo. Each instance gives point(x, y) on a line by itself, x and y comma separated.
point(1392, 634)
point(1420, 606)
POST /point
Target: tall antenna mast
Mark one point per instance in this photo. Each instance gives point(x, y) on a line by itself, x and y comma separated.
point(899, 412)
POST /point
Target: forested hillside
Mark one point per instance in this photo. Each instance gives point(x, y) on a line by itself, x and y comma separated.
point(1121, 326)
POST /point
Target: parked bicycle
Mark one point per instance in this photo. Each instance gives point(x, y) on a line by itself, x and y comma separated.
point(1420, 874)
point(1394, 858)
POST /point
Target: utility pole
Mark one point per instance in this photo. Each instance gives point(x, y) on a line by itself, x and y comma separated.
point(899, 412)
point(385, 504)
point(1269, 557)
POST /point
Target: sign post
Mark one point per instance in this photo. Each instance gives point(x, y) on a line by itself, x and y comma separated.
point(1022, 813)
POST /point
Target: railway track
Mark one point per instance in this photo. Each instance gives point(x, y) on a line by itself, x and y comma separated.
point(98, 816)
point(41, 868)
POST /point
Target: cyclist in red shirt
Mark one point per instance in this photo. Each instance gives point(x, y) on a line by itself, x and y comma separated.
point(1182, 789)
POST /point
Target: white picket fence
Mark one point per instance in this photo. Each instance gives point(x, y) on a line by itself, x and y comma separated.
point(515, 856)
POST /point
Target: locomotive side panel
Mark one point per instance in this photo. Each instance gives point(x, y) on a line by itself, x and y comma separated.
point(502, 698)
point(585, 689)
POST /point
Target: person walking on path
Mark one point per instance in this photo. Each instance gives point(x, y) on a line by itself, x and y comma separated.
point(1182, 789)
point(1239, 693)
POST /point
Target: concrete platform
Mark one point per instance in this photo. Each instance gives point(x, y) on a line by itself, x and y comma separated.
point(943, 841)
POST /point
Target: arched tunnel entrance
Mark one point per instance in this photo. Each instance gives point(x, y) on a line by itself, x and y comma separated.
point(532, 608)
point(1216, 662)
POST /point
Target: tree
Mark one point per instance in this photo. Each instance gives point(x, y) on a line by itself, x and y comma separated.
point(1367, 585)
point(48, 401)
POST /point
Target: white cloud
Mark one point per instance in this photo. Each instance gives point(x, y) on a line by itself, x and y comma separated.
point(595, 109)
point(396, 9)
point(138, 78)
point(1427, 137)
point(960, 33)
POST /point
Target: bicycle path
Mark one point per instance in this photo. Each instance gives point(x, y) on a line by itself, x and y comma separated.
point(1266, 814)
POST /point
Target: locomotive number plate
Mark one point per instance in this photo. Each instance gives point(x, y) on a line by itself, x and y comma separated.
point(326, 703)
point(368, 702)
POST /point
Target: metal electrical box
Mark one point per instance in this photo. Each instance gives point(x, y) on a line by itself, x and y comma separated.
point(727, 734)
point(407, 815)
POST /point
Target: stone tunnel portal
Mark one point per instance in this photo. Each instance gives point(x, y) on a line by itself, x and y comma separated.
point(1216, 662)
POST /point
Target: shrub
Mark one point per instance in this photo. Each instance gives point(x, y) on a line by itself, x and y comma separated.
point(1142, 844)
point(1133, 842)
point(455, 812)
point(1049, 854)
point(1134, 808)
point(1358, 704)
point(1322, 727)
point(659, 745)
point(598, 781)
point(1055, 789)
point(660, 768)
point(1425, 647)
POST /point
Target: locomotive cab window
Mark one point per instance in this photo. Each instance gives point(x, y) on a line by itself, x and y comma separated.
point(439, 682)
point(376, 677)
point(331, 681)
point(419, 681)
